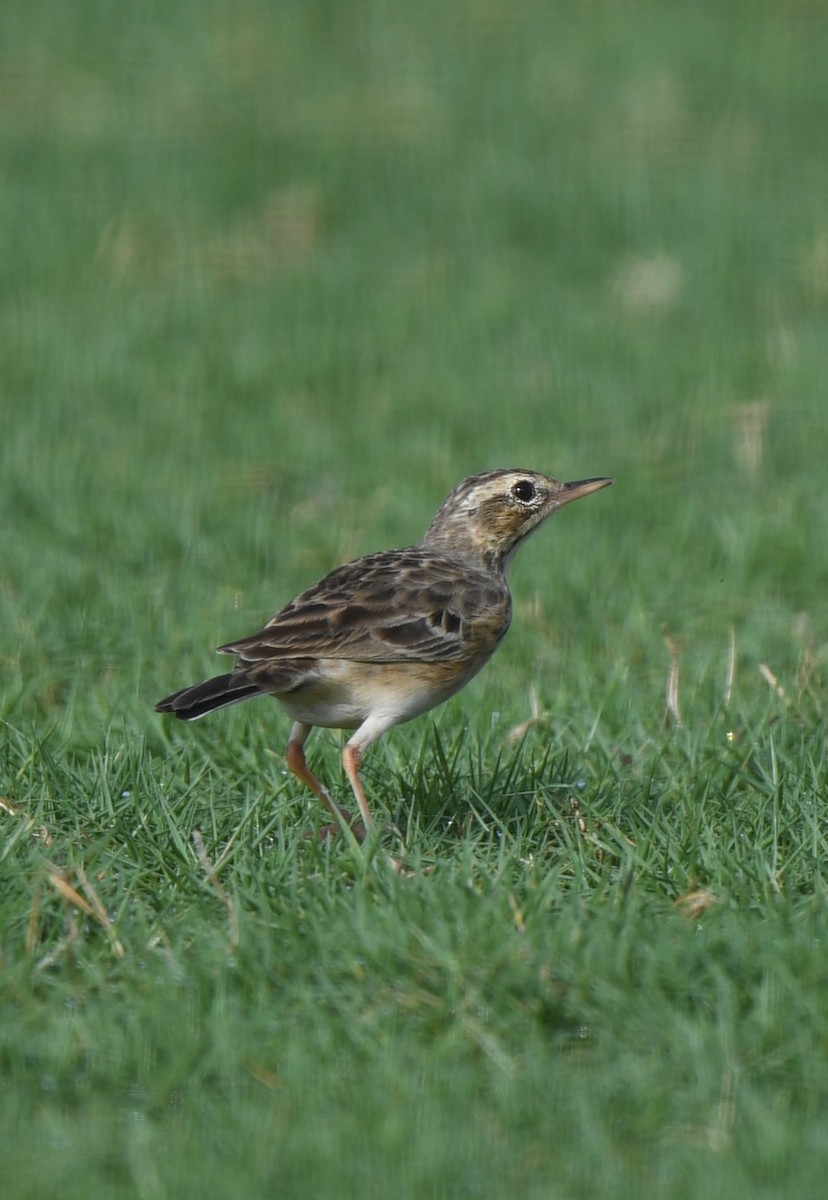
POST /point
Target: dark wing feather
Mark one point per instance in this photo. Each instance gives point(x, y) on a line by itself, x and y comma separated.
point(395, 606)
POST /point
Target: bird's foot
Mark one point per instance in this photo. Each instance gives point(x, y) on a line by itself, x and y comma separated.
point(356, 827)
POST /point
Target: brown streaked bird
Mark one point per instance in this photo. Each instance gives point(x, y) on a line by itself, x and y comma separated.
point(387, 637)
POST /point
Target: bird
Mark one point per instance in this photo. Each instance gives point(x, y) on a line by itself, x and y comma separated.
point(386, 637)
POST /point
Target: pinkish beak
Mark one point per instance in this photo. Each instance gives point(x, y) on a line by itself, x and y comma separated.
point(579, 488)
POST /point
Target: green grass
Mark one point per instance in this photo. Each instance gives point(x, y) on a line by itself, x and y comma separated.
point(274, 278)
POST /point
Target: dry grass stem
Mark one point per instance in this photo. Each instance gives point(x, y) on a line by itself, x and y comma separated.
point(89, 904)
point(57, 952)
point(672, 695)
point(38, 831)
point(520, 923)
point(750, 425)
point(218, 888)
point(731, 667)
point(772, 682)
point(537, 717)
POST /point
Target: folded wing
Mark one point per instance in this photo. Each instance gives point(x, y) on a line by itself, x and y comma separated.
point(408, 605)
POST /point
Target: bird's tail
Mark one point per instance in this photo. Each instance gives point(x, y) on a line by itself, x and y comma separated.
point(193, 702)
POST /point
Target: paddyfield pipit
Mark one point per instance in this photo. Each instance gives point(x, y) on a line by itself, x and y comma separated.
point(387, 637)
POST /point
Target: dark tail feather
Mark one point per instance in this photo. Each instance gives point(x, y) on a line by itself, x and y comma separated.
point(193, 702)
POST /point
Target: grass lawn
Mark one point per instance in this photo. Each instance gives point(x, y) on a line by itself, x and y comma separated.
point(274, 278)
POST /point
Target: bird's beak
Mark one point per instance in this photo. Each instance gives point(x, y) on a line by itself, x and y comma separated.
point(579, 488)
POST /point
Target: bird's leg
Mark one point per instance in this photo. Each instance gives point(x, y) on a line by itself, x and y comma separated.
point(351, 755)
point(369, 731)
point(295, 759)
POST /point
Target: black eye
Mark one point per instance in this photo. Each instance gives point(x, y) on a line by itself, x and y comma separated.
point(524, 490)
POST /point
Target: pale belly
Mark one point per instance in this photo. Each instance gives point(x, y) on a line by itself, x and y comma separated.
point(342, 694)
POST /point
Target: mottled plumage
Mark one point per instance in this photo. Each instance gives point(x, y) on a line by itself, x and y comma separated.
point(389, 636)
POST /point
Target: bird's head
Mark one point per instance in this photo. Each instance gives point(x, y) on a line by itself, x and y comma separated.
point(487, 516)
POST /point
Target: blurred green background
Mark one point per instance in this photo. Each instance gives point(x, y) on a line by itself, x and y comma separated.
point(275, 276)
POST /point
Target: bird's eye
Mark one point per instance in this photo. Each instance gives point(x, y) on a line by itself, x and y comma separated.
point(524, 490)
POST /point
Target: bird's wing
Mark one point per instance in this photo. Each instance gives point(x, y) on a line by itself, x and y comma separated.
point(396, 606)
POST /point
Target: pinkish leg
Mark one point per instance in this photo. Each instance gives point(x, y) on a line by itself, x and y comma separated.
point(295, 758)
